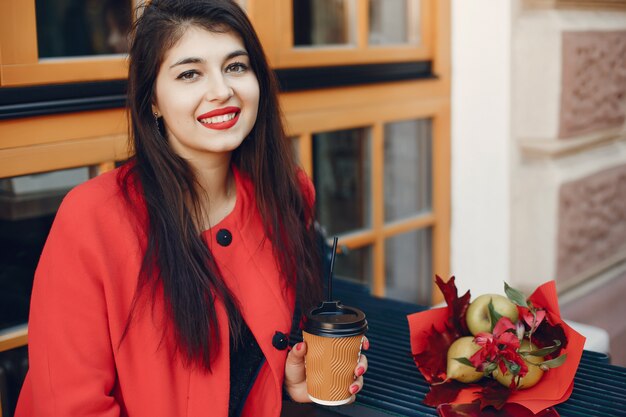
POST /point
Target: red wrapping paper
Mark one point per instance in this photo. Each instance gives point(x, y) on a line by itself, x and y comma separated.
point(556, 384)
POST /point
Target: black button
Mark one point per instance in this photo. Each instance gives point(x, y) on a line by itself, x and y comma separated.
point(280, 341)
point(224, 237)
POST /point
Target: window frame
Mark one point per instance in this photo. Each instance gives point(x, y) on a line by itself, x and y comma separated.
point(361, 107)
point(284, 55)
point(20, 64)
point(19, 57)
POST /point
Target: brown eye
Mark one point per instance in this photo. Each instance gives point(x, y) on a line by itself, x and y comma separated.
point(188, 75)
point(237, 67)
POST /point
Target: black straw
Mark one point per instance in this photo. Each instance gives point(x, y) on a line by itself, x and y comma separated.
point(329, 289)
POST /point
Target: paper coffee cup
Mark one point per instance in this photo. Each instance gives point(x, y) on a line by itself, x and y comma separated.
point(334, 335)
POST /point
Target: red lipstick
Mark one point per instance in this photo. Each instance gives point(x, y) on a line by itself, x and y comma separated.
point(230, 116)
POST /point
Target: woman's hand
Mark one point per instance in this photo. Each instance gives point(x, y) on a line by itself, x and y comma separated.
point(295, 376)
point(360, 369)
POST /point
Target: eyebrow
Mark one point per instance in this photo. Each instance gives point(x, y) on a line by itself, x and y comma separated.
point(197, 60)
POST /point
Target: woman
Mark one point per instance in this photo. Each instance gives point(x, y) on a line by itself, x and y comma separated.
point(164, 284)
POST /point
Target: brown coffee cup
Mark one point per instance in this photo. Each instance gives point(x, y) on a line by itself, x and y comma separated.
point(334, 335)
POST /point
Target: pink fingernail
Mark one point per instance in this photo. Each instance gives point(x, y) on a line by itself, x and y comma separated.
point(360, 371)
point(299, 346)
point(366, 344)
point(354, 389)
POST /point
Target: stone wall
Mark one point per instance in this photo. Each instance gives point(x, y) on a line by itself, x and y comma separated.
point(592, 224)
point(568, 158)
point(593, 82)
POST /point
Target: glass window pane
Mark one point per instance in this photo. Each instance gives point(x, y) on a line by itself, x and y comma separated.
point(27, 207)
point(394, 22)
point(408, 168)
point(324, 22)
point(355, 264)
point(342, 176)
point(68, 28)
point(408, 267)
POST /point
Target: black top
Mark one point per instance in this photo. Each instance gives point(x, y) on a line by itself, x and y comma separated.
point(246, 358)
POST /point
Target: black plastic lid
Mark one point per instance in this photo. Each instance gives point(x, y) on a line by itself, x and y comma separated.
point(332, 319)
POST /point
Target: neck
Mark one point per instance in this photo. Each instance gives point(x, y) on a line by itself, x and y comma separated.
point(218, 185)
point(215, 180)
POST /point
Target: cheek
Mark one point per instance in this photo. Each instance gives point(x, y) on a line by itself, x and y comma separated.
point(171, 99)
point(254, 104)
point(176, 103)
point(179, 113)
point(251, 93)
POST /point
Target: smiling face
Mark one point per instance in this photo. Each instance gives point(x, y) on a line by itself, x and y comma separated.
point(207, 94)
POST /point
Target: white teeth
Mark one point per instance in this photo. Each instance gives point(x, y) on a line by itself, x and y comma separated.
point(219, 119)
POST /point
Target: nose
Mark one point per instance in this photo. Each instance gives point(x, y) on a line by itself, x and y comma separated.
point(218, 88)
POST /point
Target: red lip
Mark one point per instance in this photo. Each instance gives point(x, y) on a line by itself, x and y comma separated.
point(218, 112)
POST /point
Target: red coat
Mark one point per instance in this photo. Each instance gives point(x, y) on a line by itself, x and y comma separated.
point(83, 289)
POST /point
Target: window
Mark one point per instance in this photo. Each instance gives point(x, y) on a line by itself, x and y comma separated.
point(379, 153)
point(408, 266)
point(342, 32)
point(62, 41)
point(408, 169)
point(82, 28)
point(350, 199)
point(380, 173)
point(28, 205)
point(394, 22)
point(342, 178)
point(324, 23)
point(56, 42)
point(356, 264)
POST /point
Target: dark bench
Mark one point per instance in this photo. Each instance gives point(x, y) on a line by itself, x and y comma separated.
point(394, 386)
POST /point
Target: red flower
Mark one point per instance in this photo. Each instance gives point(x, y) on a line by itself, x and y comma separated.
point(512, 360)
point(505, 333)
point(533, 320)
point(499, 349)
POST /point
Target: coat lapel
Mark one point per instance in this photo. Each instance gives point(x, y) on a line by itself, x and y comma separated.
point(250, 270)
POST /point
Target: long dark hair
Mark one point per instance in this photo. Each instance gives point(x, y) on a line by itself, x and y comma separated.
point(176, 259)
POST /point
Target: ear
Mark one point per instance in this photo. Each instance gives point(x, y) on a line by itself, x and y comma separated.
point(155, 110)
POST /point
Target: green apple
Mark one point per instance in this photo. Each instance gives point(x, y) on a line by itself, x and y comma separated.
point(478, 317)
point(463, 347)
point(534, 371)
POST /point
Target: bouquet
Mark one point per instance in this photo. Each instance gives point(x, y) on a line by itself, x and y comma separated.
point(496, 351)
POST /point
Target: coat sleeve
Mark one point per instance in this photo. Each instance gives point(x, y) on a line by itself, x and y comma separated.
point(71, 364)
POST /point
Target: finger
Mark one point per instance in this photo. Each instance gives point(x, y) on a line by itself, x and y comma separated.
point(361, 366)
point(295, 356)
point(366, 343)
point(357, 385)
point(295, 374)
point(294, 365)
